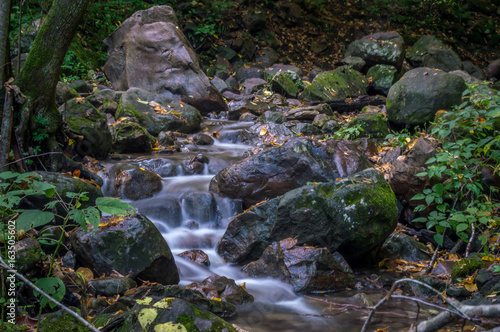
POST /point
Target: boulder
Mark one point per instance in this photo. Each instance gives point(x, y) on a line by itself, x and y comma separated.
point(130, 137)
point(201, 207)
point(202, 139)
point(255, 20)
point(355, 62)
point(133, 247)
point(267, 56)
point(402, 246)
point(383, 77)
point(336, 85)
point(150, 52)
point(105, 100)
point(307, 269)
point(381, 48)
point(371, 124)
point(158, 113)
point(252, 85)
point(128, 180)
point(306, 129)
point(162, 167)
point(295, 72)
point(85, 120)
point(420, 93)
point(493, 70)
point(249, 71)
point(285, 84)
point(223, 288)
point(168, 314)
point(196, 256)
point(473, 70)
point(352, 216)
point(274, 117)
point(430, 52)
point(65, 93)
point(308, 112)
point(279, 169)
point(164, 209)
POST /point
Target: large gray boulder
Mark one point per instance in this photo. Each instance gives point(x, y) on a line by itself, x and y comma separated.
point(150, 52)
point(275, 171)
point(351, 216)
point(132, 247)
point(161, 114)
point(430, 52)
point(420, 93)
point(381, 48)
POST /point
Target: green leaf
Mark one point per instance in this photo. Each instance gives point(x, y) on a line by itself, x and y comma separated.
point(111, 205)
point(53, 287)
point(458, 217)
point(422, 174)
point(33, 218)
point(47, 188)
point(462, 227)
point(438, 189)
point(494, 112)
point(439, 239)
point(8, 175)
point(418, 196)
point(429, 199)
point(421, 219)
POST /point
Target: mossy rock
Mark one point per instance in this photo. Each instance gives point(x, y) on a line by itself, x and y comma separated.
point(130, 137)
point(284, 84)
point(335, 85)
point(28, 255)
point(61, 321)
point(64, 93)
point(272, 117)
point(175, 116)
point(84, 119)
point(430, 52)
point(466, 267)
point(383, 77)
point(351, 216)
point(165, 315)
point(372, 124)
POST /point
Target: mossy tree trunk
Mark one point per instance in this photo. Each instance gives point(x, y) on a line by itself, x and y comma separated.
point(5, 6)
point(40, 74)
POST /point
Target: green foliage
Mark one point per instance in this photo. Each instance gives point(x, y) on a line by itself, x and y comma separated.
point(400, 139)
point(348, 133)
point(471, 141)
point(14, 187)
point(466, 267)
point(72, 69)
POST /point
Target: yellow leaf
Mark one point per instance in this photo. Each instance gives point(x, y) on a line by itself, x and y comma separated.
point(216, 299)
point(263, 131)
point(453, 258)
point(71, 142)
point(471, 287)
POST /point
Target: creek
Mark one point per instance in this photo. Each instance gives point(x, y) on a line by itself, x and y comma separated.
point(186, 198)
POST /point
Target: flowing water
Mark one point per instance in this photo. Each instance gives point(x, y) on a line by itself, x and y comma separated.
point(186, 198)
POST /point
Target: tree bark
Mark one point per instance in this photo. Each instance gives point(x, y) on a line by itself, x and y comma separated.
point(5, 6)
point(40, 74)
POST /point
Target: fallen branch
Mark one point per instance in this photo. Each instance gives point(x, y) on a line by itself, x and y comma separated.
point(50, 298)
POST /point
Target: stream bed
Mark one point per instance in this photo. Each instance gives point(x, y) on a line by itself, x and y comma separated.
point(189, 216)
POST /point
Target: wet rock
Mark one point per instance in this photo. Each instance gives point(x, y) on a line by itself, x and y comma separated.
point(195, 165)
point(201, 207)
point(169, 68)
point(330, 127)
point(223, 288)
point(106, 100)
point(132, 247)
point(458, 292)
point(402, 246)
point(307, 269)
point(81, 86)
point(381, 48)
point(232, 83)
point(493, 70)
point(165, 114)
point(219, 84)
point(162, 167)
point(430, 52)
point(111, 286)
point(192, 225)
point(28, 255)
point(420, 93)
point(247, 117)
point(237, 108)
point(274, 117)
point(307, 129)
point(196, 256)
point(130, 137)
point(166, 138)
point(164, 209)
point(336, 85)
point(422, 291)
point(274, 172)
point(286, 83)
point(130, 181)
point(64, 93)
point(85, 120)
point(69, 260)
point(351, 216)
point(202, 139)
point(383, 77)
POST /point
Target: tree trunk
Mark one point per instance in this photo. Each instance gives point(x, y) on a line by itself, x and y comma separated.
point(5, 6)
point(40, 74)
